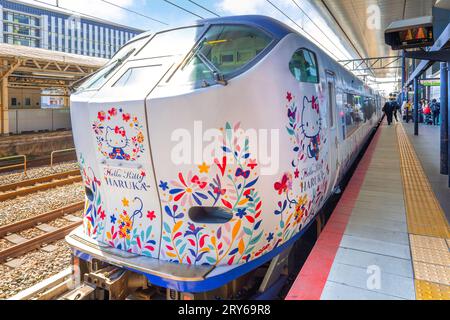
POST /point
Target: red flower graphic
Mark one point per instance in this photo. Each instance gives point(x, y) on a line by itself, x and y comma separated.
point(151, 215)
point(126, 117)
point(112, 112)
point(101, 116)
point(289, 96)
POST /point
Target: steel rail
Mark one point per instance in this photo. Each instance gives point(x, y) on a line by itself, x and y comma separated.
point(31, 182)
point(36, 242)
point(42, 218)
point(39, 187)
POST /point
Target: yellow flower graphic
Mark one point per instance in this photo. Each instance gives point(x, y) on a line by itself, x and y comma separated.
point(125, 226)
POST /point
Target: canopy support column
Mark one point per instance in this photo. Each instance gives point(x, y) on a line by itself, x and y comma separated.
point(444, 119)
point(416, 106)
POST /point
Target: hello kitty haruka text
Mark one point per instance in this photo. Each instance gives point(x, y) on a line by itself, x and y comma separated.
point(119, 135)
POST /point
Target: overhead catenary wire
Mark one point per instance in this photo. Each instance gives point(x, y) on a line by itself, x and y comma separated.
point(301, 28)
point(70, 10)
point(135, 12)
point(320, 29)
point(183, 8)
point(204, 8)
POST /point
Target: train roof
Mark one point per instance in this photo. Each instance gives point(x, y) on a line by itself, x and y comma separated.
point(277, 28)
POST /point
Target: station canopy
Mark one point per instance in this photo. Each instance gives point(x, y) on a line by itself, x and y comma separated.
point(34, 67)
point(349, 18)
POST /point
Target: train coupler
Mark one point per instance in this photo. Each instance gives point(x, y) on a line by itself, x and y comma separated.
point(114, 283)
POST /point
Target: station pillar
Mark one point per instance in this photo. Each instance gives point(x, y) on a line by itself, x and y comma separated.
point(448, 122)
point(4, 111)
point(404, 91)
point(416, 106)
point(444, 119)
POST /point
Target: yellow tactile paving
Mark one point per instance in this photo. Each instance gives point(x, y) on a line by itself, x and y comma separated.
point(431, 256)
point(432, 273)
point(431, 291)
point(427, 225)
point(424, 213)
point(428, 242)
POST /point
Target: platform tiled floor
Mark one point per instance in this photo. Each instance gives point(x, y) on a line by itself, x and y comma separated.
point(388, 237)
point(376, 237)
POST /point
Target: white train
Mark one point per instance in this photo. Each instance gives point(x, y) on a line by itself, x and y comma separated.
point(185, 207)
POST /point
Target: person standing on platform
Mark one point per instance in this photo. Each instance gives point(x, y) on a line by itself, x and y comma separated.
point(396, 107)
point(436, 110)
point(406, 109)
point(388, 111)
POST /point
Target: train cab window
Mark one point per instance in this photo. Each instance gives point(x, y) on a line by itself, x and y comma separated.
point(224, 51)
point(99, 78)
point(303, 66)
point(138, 77)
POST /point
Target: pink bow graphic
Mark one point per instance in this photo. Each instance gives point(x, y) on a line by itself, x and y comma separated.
point(117, 130)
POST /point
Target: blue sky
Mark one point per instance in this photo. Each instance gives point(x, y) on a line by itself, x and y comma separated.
point(318, 31)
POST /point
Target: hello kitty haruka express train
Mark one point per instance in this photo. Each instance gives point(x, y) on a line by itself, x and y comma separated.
point(199, 225)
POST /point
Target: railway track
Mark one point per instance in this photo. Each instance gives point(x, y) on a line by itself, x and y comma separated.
point(13, 190)
point(27, 245)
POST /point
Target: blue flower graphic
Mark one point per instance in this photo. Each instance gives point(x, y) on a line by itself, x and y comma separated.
point(164, 185)
point(241, 213)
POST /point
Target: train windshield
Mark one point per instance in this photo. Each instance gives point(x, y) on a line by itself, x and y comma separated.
point(95, 81)
point(224, 51)
point(171, 43)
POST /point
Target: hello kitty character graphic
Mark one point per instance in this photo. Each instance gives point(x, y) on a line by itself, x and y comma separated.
point(311, 125)
point(116, 139)
point(119, 135)
point(304, 127)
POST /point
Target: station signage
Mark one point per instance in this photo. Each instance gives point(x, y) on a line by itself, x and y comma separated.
point(411, 33)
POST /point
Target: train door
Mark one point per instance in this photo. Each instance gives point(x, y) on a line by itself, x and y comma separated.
point(332, 122)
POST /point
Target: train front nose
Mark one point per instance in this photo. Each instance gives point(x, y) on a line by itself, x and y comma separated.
point(123, 208)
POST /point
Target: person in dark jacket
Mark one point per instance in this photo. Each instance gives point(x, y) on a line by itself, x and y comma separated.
point(436, 111)
point(396, 107)
point(388, 110)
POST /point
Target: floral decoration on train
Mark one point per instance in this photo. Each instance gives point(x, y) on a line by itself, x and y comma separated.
point(126, 231)
point(119, 135)
point(229, 183)
point(301, 192)
point(94, 213)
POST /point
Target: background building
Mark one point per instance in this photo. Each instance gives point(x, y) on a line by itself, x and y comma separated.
point(43, 51)
point(60, 30)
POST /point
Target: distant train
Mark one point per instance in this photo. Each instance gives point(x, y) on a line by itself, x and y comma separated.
point(168, 218)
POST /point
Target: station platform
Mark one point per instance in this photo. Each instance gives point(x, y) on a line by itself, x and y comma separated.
point(388, 238)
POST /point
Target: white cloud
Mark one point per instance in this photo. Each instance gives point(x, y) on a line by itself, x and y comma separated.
point(238, 7)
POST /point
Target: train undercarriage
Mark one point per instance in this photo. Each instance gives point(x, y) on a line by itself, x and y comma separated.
point(102, 275)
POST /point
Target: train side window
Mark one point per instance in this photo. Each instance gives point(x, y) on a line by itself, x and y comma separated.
point(353, 114)
point(331, 102)
point(368, 108)
point(303, 66)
